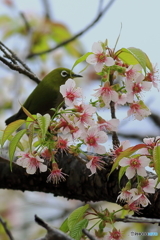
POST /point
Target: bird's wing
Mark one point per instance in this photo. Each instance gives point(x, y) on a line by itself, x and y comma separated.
point(41, 100)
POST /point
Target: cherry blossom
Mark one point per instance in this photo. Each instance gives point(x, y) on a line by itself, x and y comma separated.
point(94, 164)
point(31, 163)
point(123, 146)
point(46, 154)
point(70, 92)
point(122, 99)
point(84, 114)
point(153, 78)
point(56, 175)
point(139, 110)
point(93, 137)
point(115, 235)
point(111, 125)
point(148, 185)
point(107, 94)
point(135, 165)
point(132, 72)
point(132, 207)
point(23, 158)
point(125, 195)
point(63, 142)
point(99, 57)
point(140, 199)
point(137, 87)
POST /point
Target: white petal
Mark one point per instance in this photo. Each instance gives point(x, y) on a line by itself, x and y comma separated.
point(130, 172)
point(124, 162)
point(97, 47)
point(109, 61)
point(31, 169)
point(98, 67)
point(91, 59)
point(100, 149)
point(102, 137)
point(42, 167)
point(146, 85)
point(141, 171)
point(114, 96)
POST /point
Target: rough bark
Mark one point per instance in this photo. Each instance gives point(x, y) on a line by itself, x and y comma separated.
point(78, 185)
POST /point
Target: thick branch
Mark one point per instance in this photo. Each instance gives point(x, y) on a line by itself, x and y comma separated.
point(78, 184)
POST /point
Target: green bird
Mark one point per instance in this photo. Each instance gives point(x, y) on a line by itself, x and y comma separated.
point(46, 95)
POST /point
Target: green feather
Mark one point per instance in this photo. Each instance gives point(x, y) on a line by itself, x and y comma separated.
point(46, 95)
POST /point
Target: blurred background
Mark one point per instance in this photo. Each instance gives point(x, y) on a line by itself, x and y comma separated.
point(29, 27)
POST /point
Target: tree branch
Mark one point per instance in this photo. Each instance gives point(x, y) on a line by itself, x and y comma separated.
point(75, 36)
point(4, 224)
point(52, 233)
point(12, 63)
point(78, 184)
point(46, 7)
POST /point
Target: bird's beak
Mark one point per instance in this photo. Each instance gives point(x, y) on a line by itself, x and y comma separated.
point(75, 75)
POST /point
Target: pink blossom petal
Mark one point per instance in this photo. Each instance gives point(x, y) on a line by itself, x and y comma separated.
point(100, 149)
point(146, 85)
point(97, 48)
point(102, 137)
point(124, 162)
point(109, 61)
point(130, 172)
point(31, 169)
point(114, 96)
point(91, 59)
point(42, 167)
point(141, 171)
point(98, 67)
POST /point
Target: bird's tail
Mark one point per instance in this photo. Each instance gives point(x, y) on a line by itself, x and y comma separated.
point(10, 119)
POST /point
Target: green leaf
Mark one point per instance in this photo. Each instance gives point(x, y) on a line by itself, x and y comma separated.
point(121, 173)
point(76, 232)
point(76, 216)
point(134, 56)
point(81, 59)
point(148, 63)
point(31, 135)
point(126, 153)
point(28, 113)
point(14, 143)
point(64, 226)
point(1, 135)
point(12, 127)
point(156, 160)
point(43, 122)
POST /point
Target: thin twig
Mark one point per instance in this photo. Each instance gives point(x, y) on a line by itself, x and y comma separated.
point(20, 70)
point(27, 25)
point(47, 9)
point(6, 55)
point(115, 139)
point(4, 224)
point(14, 56)
point(52, 233)
point(132, 219)
point(75, 36)
point(88, 234)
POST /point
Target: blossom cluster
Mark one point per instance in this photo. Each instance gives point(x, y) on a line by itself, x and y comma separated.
point(80, 125)
point(128, 83)
point(135, 167)
point(77, 124)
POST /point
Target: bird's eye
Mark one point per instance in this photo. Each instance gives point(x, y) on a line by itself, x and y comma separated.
point(64, 74)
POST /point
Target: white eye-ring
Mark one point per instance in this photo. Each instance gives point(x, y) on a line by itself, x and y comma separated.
point(64, 73)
